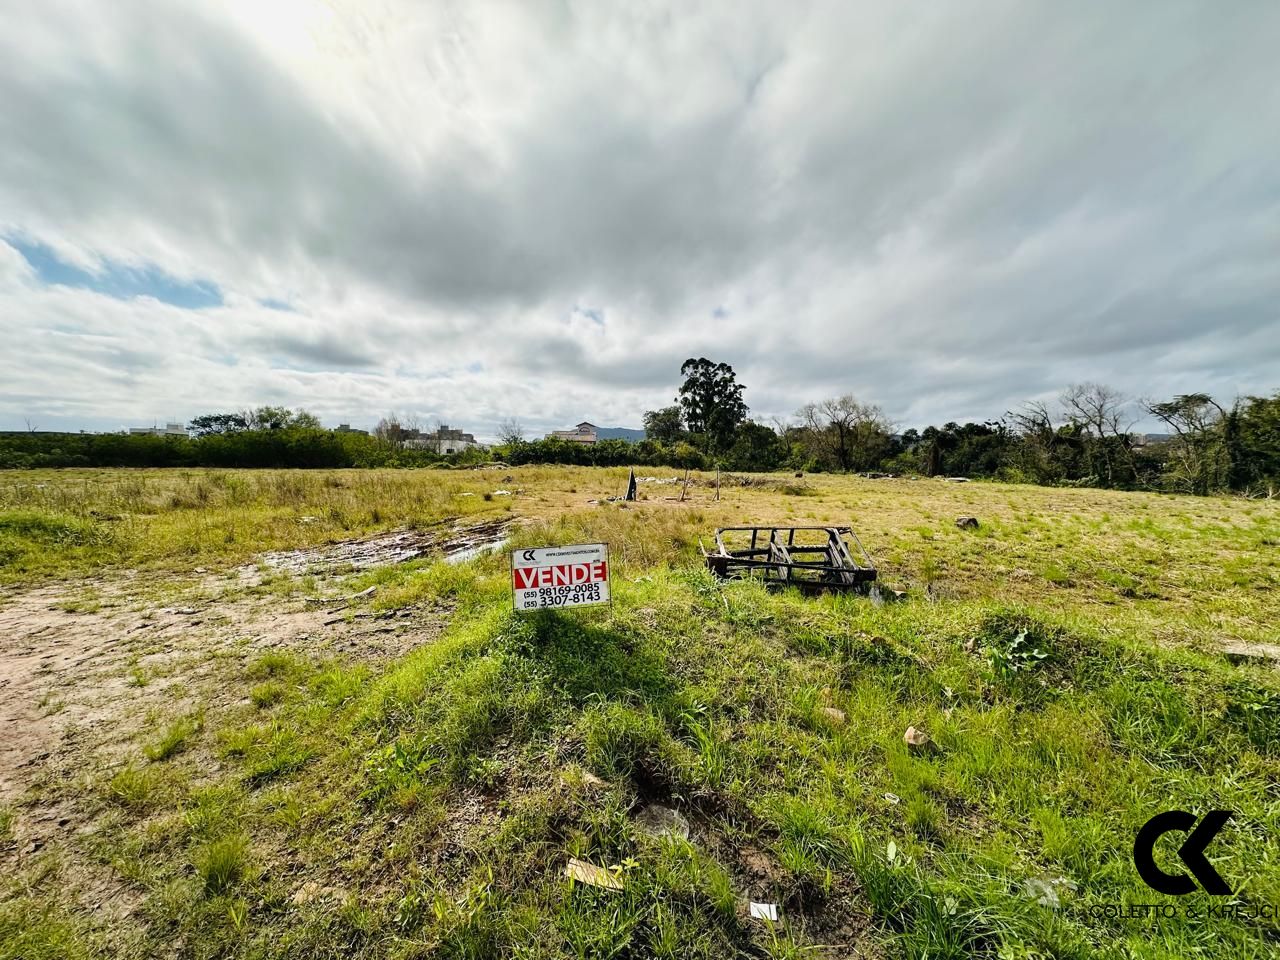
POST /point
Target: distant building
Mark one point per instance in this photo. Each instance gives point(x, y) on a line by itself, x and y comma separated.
point(583, 433)
point(170, 430)
point(347, 428)
point(444, 439)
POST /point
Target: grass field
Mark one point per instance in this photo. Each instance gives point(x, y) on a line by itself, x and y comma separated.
point(208, 754)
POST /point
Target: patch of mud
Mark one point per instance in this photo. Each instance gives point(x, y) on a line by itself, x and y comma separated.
point(84, 684)
point(74, 681)
point(453, 542)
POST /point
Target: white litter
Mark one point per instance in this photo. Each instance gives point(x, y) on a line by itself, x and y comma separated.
point(764, 911)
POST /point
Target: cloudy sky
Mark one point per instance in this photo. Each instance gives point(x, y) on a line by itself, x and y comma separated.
point(471, 210)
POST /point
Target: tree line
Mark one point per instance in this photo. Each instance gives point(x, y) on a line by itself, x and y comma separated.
point(263, 437)
point(1085, 438)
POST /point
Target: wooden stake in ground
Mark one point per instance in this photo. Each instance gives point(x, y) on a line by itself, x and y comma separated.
point(717, 484)
point(685, 489)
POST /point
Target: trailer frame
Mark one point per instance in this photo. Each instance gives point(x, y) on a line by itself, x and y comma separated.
point(831, 563)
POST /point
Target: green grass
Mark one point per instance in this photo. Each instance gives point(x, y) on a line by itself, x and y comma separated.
point(268, 694)
point(1063, 660)
point(222, 863)
point(139, 790)
point(173, 739)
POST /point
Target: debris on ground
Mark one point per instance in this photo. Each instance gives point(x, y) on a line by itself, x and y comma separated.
point(312, 891)
point(917, 740)
point(967, 523)
point(893, 798)
point(834, 714)
point(763, 911)
point(589, 873)
point(1044, 890)
point(815, 559)
point(659, 821)
point(449, 538)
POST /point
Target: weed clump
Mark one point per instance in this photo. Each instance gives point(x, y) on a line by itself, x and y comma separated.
point(1028, 659)
point(173, 740)
point(222, 863)
point(632, 744)
point(137, 789)
point(268, 694)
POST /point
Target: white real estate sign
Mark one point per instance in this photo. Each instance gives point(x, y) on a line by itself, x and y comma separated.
point(552, 577)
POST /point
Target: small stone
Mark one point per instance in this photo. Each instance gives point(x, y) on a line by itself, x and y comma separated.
point(970, 645)
point(834, 714)
point(917, 739)
point(1239, 652)
point(967, 523)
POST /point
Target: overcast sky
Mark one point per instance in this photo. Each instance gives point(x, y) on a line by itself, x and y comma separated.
point(473, 210)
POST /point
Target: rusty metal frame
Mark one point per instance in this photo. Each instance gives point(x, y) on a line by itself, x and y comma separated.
point(775, 558)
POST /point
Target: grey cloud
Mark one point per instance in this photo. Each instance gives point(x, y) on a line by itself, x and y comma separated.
point(325, 351)
point(946, 208)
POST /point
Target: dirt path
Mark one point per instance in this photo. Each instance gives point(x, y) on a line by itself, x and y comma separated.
point(87, 668)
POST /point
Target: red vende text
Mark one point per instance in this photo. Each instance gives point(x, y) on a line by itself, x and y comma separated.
point(564, 575)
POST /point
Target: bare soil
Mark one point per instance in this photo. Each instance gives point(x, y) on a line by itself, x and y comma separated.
point(88, 669)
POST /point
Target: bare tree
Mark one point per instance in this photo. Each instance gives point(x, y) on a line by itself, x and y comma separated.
point(1037, 453)
point(32, 426)
point(435, 440)
point(510, 431)
point(1103, 415)
point(389, 430)
point(844, 432)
